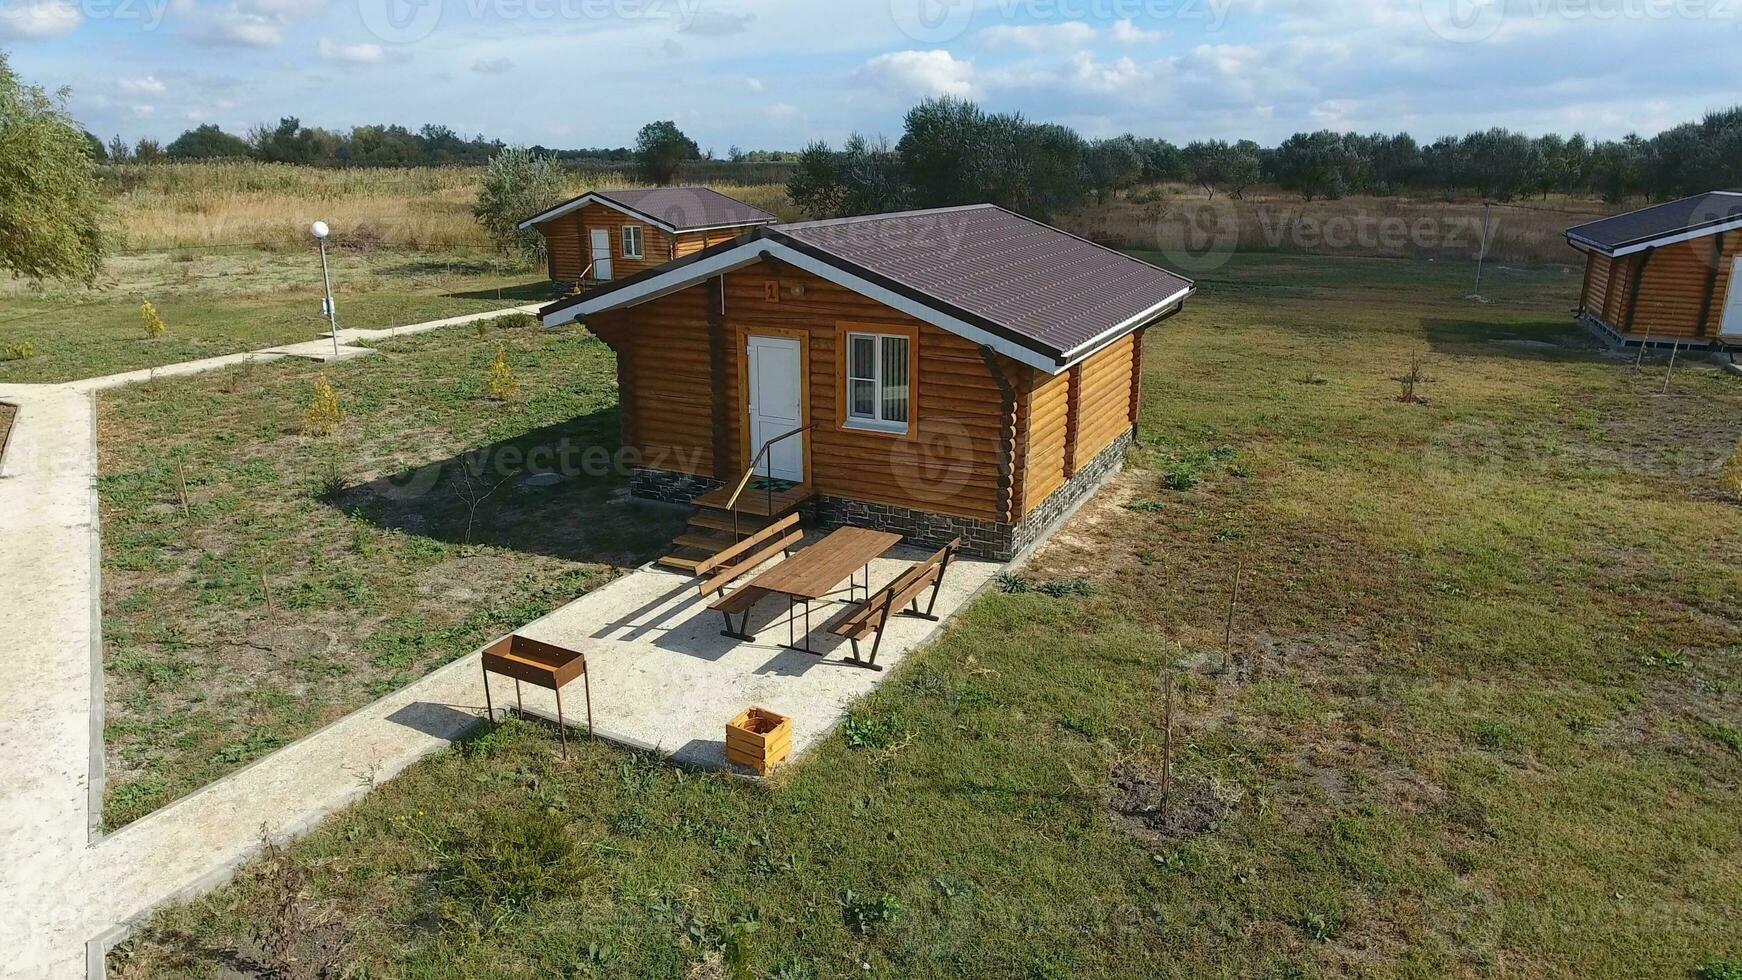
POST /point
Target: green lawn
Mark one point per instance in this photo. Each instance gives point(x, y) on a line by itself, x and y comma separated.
point(309, 575)
point(1480, 717)
point(224, 301)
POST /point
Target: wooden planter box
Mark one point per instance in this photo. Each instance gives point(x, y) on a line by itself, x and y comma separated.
point(758, 739)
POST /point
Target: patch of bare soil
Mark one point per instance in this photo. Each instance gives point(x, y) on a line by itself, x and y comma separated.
point(1188, 806)
point(7, 414)
point(1100, 515)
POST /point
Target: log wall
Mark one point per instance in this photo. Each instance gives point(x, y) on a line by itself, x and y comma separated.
point(1681, 289)
point(975, 449)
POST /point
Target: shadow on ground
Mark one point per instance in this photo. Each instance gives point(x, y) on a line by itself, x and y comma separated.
point(537, 291)
point(1536, 340)
point(560, 491)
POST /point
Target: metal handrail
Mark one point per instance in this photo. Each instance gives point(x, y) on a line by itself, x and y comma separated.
point(732, 502)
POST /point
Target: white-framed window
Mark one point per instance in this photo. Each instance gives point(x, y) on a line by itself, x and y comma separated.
point(879, 390)
point(632, 242)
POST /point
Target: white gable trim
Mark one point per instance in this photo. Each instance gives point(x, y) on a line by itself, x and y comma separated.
point(752, 251)
point(592, 198)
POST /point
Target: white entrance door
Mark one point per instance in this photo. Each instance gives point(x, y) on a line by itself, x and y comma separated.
point(1733, 305)
point(601, 253)
point(776, 403)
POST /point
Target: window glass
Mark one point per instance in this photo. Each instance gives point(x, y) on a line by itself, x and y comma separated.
point(878, 386)
point(894, 379)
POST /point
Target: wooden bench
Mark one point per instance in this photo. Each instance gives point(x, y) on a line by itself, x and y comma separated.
point(721, 570)
point(869, 618)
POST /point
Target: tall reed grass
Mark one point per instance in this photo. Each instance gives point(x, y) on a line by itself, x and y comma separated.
point(178, 205)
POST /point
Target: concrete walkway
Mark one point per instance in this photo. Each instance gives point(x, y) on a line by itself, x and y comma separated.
point(59, 885)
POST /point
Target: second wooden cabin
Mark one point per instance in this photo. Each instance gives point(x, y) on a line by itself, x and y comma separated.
point(964, 372)
point(604, 236)
point(1665, 275)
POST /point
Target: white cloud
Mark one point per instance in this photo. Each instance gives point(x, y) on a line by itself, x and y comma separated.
point(247, 23)
point(351, 54)
point(492, 66)
point(1127, 32)
point(922, 73)
point(35, 20)
point(144, 111)
point(148, 85)
point(753, 84)
point(1038, 37)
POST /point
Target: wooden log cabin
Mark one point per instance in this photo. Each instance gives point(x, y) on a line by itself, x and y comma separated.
point(1665, 275)
point(964, 372)
point(603, 236)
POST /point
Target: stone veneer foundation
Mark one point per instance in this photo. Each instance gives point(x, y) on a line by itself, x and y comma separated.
point(993, 540)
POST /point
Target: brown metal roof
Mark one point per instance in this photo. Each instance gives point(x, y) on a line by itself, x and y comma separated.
point(983, 268)
point(674, 208)
point(1031, 278)
point(685, 208)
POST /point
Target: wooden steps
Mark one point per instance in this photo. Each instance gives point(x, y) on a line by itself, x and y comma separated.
point(758, 502)
point(712, 528)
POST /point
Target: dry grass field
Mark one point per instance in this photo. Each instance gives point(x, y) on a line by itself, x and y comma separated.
point(171, 205)
point(1187, 227)
point(1478, 718)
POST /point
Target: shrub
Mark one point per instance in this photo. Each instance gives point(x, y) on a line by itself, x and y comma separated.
point(20, 351)
point(1730, 477)
point(502, 382)
point(515, 860)
point(324, 414)
point(1180, 475)
point(862, 915)
point(867, 731)
point(1066, 588)
point(517, 185)
point(154, 326)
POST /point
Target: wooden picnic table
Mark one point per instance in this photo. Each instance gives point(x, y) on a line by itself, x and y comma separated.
point(816, 571)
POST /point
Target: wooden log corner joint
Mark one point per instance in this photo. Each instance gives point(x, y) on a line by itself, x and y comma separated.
point(758, 739)
point(541, 665)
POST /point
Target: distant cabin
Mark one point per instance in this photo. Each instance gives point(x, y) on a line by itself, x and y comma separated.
point(1665, 275)
point(964, 371)
point(603, 236)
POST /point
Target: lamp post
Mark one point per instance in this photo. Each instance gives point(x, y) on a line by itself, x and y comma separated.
point(321, 232)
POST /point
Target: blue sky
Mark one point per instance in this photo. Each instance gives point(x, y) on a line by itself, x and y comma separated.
point(777, 73)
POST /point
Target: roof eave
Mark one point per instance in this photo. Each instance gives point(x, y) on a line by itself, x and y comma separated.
point(1154, 314)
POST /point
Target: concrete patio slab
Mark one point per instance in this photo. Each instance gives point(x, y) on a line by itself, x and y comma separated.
point(664, 678)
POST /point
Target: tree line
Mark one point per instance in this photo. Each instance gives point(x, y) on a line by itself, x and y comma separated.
point(289, 141)
point(953, 152)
